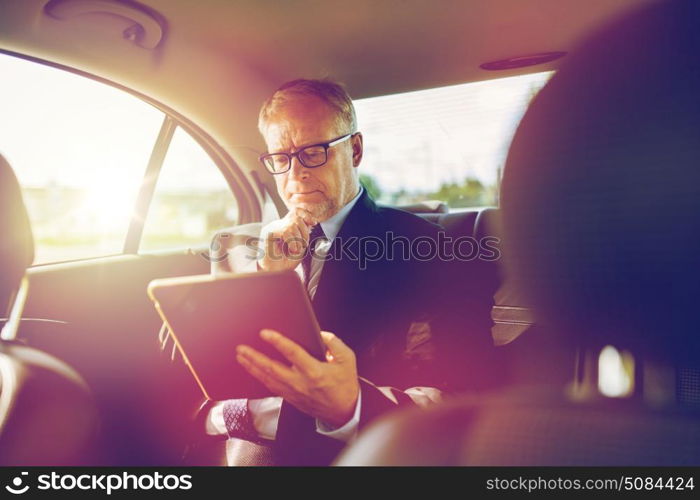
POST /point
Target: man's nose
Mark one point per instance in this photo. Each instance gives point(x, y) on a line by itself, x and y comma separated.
point(298, 171)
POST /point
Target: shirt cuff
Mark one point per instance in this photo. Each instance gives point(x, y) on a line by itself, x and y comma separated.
point(265, 413)
point(215, 424)
point(348, 430)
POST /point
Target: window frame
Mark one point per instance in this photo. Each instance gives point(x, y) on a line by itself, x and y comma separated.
point(249, 208)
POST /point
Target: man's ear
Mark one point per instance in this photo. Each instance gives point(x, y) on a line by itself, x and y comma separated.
point(356, 149)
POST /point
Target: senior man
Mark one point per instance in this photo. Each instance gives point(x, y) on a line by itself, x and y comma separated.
point(377, 306)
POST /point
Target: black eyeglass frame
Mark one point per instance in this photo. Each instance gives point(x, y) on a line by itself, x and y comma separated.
point(290, 156)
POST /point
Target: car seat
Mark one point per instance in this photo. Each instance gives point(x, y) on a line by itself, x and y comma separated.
point(601, 222)
point(47, 416)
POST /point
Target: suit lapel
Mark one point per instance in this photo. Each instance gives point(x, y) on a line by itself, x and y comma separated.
point(342, 283)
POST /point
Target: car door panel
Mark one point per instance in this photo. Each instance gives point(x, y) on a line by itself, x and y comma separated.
point(110, 336)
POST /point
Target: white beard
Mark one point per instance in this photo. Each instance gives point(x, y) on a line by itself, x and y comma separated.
point(319, 211)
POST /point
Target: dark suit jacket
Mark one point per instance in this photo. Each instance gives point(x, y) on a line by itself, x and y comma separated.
point(371, 310)
point(410, 321)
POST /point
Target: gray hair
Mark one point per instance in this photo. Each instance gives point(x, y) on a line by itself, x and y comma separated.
point(330, 92)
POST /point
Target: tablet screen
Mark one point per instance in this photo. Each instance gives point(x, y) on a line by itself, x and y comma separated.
point(209, 316)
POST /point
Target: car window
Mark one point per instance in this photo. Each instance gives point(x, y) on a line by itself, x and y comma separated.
point(80, 149)
point(192, 199)
point(446, 144)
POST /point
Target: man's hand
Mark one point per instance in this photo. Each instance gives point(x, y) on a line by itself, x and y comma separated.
point(327, 390)
point(284, 241)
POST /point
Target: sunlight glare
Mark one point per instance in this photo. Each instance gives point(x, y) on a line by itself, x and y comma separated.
point(105, 202)
point(615, 373)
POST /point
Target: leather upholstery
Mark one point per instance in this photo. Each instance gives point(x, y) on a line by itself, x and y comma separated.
point(601, 215)
point(602, 203)
point(17, 243)
point(47, 416)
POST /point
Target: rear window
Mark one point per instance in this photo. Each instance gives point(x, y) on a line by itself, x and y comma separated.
point(446, 144)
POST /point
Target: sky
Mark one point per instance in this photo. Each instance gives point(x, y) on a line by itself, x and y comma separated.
point(60, 130)
point(64, 129)
point(418, 140)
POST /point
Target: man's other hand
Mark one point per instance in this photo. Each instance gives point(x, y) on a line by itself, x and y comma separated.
point(284, 241)
point(326, 390)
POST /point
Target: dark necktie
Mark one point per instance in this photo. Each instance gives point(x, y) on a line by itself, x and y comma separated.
point(315, 235)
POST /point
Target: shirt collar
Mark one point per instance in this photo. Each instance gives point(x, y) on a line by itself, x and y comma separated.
point(331, 226)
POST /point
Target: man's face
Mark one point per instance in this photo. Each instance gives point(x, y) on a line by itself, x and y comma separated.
point(323, 190)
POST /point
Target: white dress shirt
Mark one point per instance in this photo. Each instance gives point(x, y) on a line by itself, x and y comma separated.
point(265, 412)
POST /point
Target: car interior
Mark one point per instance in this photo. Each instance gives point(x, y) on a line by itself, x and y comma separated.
point(150, 107)
point(593, 273)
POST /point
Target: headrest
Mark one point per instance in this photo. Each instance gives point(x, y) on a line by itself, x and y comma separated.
point(16, 241)
point(601, 189)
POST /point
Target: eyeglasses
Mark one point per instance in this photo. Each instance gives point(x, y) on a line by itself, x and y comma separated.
point(311, 156)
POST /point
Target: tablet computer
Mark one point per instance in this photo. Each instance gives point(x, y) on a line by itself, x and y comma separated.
point(208, 316)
